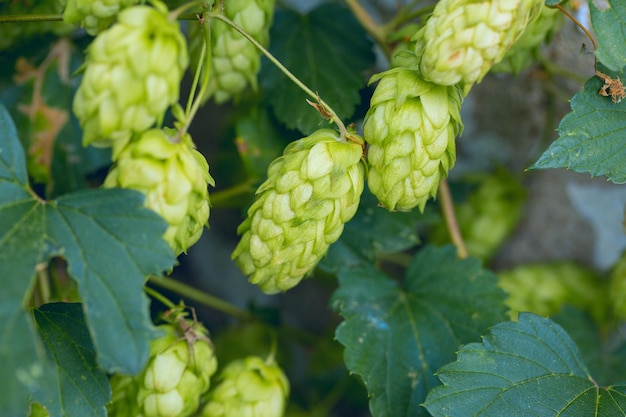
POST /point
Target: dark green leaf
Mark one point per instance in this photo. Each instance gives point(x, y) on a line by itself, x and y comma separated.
point(396, 337)
point(609, 26)
point(111, 243)
point(374, 229)
point(83, 388)
point(528, 368)
point(591, 137)
point(326, 49)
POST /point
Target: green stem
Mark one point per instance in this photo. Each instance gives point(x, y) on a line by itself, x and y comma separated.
point(22, 18)
point(200, 296)
point(194, 102)
point(376, 31)
point(326, 111)
point(555, 69)
point(406, 15)
point(222, 197)
point(447, 206)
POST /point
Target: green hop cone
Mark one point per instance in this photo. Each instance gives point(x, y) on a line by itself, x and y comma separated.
point(235, 61)
point(463, 39)
point(410, 128)
point(248, 387)
point(133, 73)
point(124, 389)
point(312, 190)
point(489, 215)
point(617, 288)
point(174, 177)
point(544, 288)
point(525, 51)
point(94, 15)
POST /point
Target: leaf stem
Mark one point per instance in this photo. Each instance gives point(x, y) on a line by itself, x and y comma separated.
point(23, 18)
point(160, 297)
point(221, 197)
point(200, 296)
point(376, 31)
point(580, 25)
point(447, 206)
point(327, 110)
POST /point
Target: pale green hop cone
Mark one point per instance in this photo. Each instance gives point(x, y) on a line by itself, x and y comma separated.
point(411, 128)
point(463, 39)
point(249, 387)
point(133, 73)
point(235, 61)
point(311, 191)
point(525, 51)
point(174, 177)
point(94, 15)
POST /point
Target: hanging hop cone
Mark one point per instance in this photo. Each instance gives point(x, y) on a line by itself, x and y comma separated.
point(312, 190)
point(235, 61)
point(463, 39)
point(133, 73)
point(488, 215)
point(544, 288)
point(174, 177)
point(248, 387)
point(410, 128)
point(525, 51)
point(94, 15)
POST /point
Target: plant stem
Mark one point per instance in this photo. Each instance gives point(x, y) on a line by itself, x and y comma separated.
point(326, 109)
point(375, 30)
point(580, 25)
point(222, 197)
point(160, 297)
point(447, 205)
point(22, 18)
point(200, 296)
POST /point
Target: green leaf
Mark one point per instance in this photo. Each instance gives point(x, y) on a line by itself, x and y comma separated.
point(396, 337)
point(111, 243)
point(528, 368)
point(609, 25)
point(591, 137)
point(83, 388)
point(374, 230)
point(552, 3)
point(327, 50)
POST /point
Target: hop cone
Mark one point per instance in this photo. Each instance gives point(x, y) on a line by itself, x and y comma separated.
point(410, 127)
point(94, 15)
point(133, 74)
point(311, 192)
point(235, 60)
point(463, 39)
point(173, 176)
point(248, 387)
point(124, 389)
point(544, 288)
point(489, 214)
point(525, 50)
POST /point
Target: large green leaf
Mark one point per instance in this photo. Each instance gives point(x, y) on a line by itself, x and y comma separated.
point(591, 137)
point(83, 388)
point(326, 49)
point(111, 243)
point(397, 336)
point(374, 230)
point(528, 368)
point(609, 25)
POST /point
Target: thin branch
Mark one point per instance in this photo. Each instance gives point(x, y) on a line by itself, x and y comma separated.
point(447, 205)
point(375, 30)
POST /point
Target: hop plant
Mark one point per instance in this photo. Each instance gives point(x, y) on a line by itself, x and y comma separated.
point(311, 191)
point(525, 51)
point(248, 387)
point(544, 288)
point(174, 177)
point(133, 73)
point(177, 374)
point(235, 61)
point(490, 213)
point(410, 128)
point(463, 39)
point(94, 15)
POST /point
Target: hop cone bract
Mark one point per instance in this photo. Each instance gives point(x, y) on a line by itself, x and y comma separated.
point(173, 176)
point(234, 59)
point(490, 213)
point(544, 288)
point(525, 51)
point(248, 387)
point(463, 39)
point(312, 190)
point(410, 128)
point(133, 74)
point(94, 15)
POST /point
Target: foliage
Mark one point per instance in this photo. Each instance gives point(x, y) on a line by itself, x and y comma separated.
point(387, 322)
